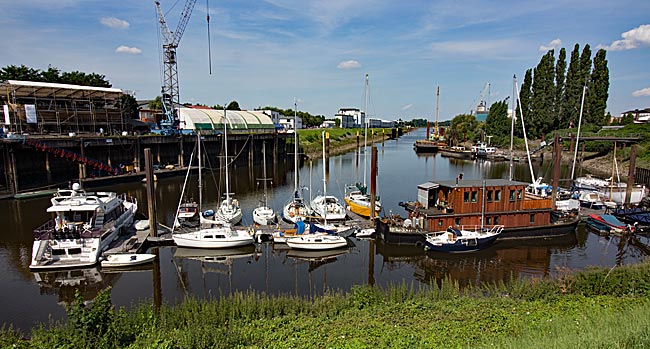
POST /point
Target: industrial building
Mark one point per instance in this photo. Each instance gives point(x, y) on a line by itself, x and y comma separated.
point(350, 117)
point(43, 107)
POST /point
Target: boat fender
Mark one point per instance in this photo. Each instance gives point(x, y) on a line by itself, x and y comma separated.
point(419, 244)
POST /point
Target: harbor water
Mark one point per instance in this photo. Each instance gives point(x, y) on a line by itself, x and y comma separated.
point(27, 298)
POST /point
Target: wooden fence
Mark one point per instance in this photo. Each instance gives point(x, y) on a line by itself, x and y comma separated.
point(642, 175)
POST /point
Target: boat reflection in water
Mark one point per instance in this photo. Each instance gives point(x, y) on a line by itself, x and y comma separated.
point(65, 283)
point(212, 261)
point(317, 258)
point(503, 261)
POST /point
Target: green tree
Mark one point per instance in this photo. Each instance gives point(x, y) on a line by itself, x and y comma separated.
point(22, 72)
point(560, 80)
point(233, 106)
point(539, 120)
point(466, 127)
point(525, 98)
point(52, 74)
point(573, 89)
point(627, 119)
point(80, 78)
point(598, 92)
point(497, 122)
point(156, 104)
point(129, 106)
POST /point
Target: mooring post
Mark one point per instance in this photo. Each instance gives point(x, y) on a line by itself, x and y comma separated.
point(14, 170)
point(373, 181)
point(151, 194)
point(556, 168)
point(181, 162)
point(631, 175)
point(82, 166)
point(327, 152)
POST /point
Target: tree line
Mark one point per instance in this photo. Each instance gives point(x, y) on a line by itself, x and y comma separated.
point(53, 75)
point(550, 98)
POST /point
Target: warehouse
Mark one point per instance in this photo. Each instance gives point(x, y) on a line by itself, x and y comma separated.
point(205, 119)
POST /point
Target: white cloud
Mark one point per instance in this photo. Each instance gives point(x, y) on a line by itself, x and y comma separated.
point(351, 64)
point(644, 92)
point(554, 44)
point(407, 107)
point(114, 23)
point(129, 50)
point(632, 39)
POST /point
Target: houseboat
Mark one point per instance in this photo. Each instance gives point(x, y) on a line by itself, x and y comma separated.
point(463, 203)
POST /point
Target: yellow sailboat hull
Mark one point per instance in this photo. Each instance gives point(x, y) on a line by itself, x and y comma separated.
point(361, 210)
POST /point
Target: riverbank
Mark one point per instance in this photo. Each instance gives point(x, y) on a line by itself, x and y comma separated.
point(341, 140)
point(573, 310)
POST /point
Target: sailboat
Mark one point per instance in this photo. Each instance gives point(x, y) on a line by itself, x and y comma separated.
point(211, 233)
point(327, 206)
point(295, 210)
point(356, 196)
point(229, 210)
point(263, 214)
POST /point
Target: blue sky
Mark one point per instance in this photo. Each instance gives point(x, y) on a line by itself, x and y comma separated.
point(266, 53)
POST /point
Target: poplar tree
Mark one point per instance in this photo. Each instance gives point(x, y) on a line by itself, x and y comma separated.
point(598, 89)
point(497, 122)
point(573, 89)
point(540, 119)
point(525, 96)
point(560, 80)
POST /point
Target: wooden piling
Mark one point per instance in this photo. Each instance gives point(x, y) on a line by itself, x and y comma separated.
point(327, 152)
point(373, 181)
point(556, 168)
point(151, 194)
point(630, 175)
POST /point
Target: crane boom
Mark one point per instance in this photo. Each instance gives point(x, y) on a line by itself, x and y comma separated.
point(170, 90)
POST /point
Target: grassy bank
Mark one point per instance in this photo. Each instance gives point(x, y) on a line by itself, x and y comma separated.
point(341, 139)
point(591, 309)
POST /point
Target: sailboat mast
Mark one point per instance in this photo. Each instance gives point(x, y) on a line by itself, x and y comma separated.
point(264, 172)
point(575, 152)
point(225, 142)
point(295, 145)
point(512, 125)
point(324, 182)
point(198, 143)
point(436, 133)
point(523, 126)
point(365, 134)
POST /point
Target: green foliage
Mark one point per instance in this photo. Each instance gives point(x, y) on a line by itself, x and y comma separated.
point(540, 119)
point(308, 120)
point(156, 104)
point(497, 122)
point(596, 308)
point(466, 127)
point(233, 106)
point(129, 106)
point(560, 87)
point(598, 91)
point(52, 74)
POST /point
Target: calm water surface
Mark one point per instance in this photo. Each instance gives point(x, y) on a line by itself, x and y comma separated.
point(27, 298)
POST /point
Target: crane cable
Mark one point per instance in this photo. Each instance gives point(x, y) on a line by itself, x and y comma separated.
point(207, 17)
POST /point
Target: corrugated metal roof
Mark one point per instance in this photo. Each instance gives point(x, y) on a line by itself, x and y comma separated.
point(477, 183)
point(49, 90)
point(212, 119)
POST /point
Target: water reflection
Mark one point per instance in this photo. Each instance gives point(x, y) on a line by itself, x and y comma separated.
point(65, 283)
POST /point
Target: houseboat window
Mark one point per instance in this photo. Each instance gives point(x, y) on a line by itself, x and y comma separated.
point(474, 196)
point(440, 222)
point(512, 195)
point(466, 197)
point(497, 195)
point(457, 221)
point(496, 220)
point(488, 220)
point(489, 196)
point(519, 194)
point(532, 218)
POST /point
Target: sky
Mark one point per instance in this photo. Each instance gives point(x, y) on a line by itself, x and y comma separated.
point(272, 52)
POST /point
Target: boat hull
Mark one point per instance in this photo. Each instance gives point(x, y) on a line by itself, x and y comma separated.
point(127, 260)
point(360, 209)
point(317, 242)
point(208, 239)
point(461, 245)
point(400, 235)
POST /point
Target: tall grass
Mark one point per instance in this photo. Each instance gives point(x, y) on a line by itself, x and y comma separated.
point(605, 308)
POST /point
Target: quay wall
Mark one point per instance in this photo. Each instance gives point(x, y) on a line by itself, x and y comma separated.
point(32, 163)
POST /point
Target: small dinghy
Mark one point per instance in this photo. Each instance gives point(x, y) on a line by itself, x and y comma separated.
point(127, 260)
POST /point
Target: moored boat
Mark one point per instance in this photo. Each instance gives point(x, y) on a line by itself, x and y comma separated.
point(127, 260)
point(472, 203)
point(83, 226)
point(317, 242)
point(462, 240)
point(458, 152)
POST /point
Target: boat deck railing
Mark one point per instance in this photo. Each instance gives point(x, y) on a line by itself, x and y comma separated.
point(49, 231)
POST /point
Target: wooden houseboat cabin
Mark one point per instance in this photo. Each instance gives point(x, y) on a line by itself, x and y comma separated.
point(470, 203)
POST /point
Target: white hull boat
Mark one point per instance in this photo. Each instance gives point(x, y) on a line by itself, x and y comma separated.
point(84, 225)
point(328, 207)
point(264, 215)
point(127, 260)
point(213, 234)
point(229, 211)
point(317, 242)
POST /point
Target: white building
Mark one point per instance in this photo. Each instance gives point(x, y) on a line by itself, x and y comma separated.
point(287, 122)
point(351, 117)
